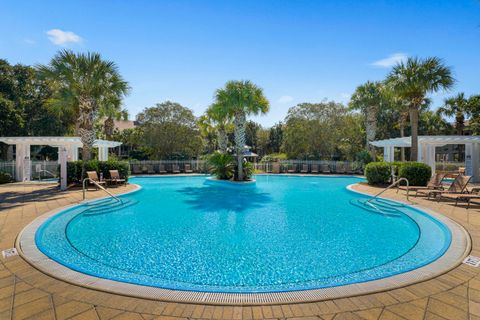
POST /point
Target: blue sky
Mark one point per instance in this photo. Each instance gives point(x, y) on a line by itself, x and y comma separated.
point(298, 51)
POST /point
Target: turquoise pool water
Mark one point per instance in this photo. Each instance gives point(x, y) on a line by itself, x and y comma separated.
point(285, 233)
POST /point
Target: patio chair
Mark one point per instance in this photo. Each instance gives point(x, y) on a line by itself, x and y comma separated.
point(175, 168)
point(325, 168)
point(314, 168)
point(435, 183)
point(304, 168)
point(150, 169)
point(292, 168)
point(115, 178)
point(187, 168)
point(161, 169)
point(467, 197)
point(276, 168)
point(92, 175)
point(458, 186)
point(340, 167)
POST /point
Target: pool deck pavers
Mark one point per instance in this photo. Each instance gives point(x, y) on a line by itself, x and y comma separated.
point(26, 293)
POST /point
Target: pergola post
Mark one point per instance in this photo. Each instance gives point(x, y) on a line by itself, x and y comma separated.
point(22, 162)
point(389, 153)
point(102, 153)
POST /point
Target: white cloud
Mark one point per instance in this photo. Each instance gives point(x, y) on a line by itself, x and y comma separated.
point(390, 61)
point(285, 99)
point(29, 41)
point(60, 37)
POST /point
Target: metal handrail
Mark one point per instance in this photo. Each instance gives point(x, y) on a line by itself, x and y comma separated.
point(389, 187)
point(100, 187)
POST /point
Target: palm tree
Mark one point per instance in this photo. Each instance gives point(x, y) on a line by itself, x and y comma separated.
point(109, 111)
point(239, 99)
point(412, 81)
point(368, 98)
point(80, 81)
point(221, 119)
point(457, 106)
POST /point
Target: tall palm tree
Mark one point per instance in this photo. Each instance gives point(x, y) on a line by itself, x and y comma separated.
point(412, 81)
point(221, 119)
point(239, 99)
point(457, 106)
point(368, 98)
point(79, 81)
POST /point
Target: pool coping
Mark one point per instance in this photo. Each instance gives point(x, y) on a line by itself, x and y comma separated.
point(459, 248)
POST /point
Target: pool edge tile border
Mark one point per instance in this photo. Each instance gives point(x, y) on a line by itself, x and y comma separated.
point(459, 248)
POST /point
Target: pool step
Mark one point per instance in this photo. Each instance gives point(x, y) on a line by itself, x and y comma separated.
point(378, 206)
point(109, 207)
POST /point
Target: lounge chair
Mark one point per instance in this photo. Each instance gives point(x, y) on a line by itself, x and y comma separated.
point(292, 168)
point(340, 167)
point(92, 175)
point(458, 186)
point(161, 169)
point(150, 169)
point(187, 168)
point(325, 168)
point(304, 169)
point(435, 183)
point(276, 168)
point(314, 168)
point(115, 178)
point(175, 168)
point(468, 197)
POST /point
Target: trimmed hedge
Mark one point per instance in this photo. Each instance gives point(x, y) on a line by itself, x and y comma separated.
point(417, 174)
point(378, 172)
point(74, 169)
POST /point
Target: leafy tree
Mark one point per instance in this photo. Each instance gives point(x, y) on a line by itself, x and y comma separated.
point(412, 81)
point(369, 99)
point(474, 108)
point(312, 131)
point(251, 134)
point(79, 83)
point(275, 138)
point(170, 131)
point(239, 99)
point(458, 107)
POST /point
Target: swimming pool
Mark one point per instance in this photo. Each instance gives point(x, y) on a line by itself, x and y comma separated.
point(285, 233)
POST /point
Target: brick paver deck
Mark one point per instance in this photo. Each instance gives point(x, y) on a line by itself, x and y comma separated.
point(26, 293)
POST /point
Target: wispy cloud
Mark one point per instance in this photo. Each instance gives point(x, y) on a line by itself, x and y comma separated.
point(29, 41)
point(285, 99)
point(61, 38)
point(391, 60)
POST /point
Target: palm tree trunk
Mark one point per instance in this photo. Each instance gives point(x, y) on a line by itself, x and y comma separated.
point(239, 123)
point(222, 139)
point(414, 124)
point(371, 129)
point(108, 128)
point(86, 129)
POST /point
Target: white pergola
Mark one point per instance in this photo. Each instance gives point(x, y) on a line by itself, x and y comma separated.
point(69, 145)
point(426, 150)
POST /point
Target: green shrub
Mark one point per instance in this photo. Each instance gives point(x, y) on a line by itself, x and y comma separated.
point(5, 178)
point(248, 170)
point(74, 169)
point(417, 174)
point(273, 157)
point(378, 172)
point(221, 165)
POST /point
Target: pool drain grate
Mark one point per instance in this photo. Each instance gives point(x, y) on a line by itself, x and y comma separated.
point(472, 261)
